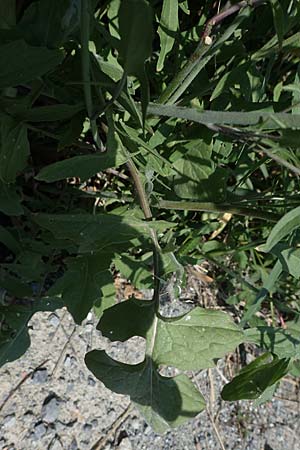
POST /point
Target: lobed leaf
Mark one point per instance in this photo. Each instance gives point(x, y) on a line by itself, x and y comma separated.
point(189, 342)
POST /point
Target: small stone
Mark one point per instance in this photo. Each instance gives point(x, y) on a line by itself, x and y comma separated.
point(39, 430)
point(50, 408)
point(56, 445)
point(94, 423)
point(125, 445)
point(54, 320)
point(40, 375)
point(87, 429)
point(9, 421)
point(135, 424)
point(74, 445)
point(91, 381)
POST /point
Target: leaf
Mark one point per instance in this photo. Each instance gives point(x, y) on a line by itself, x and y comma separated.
point(135, 27)
point(10, 201)
point(8, 239)
point(285, 343)
point(79, 285)
point(14, 58)
point(16, 340)
point(136, 271)
point(167, 28)
point(84, 166)
point(164, 402)
point(49, 23)
point(290, 260)
point(197, 177)
point(7, 14)
point(51, 113)
point(296, 93)
point(279, 20)
point(14, 149)
point(263, 293)
point(98, 232)
point(255, 378)
point(266, 396)
point(266, 120)
point(189, 342)
point(286, 225)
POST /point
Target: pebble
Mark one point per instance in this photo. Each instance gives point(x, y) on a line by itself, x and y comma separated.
point(40, 376)
point(50, 408)
point(9, 421)
point(125, 445)
point(56, 445)
point(39, 430)
point(54, 320)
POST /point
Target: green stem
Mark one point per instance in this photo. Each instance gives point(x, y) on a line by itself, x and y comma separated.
point(218, 208)
point(148, 216)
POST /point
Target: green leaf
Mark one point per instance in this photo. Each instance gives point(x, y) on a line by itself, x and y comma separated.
point(289, 258)
point(164, 402)
point(285, 343)
point(51, 113)
point(49, 23)
point(135, 26)
point(15, 340)
point(197, 177)
point(279, 20)
point(79, 286)
point(84, 166)
point(255, 378)
point(7, 14)
point(189, 342)
point(264, 292)
point(93, 233)
point(286, 225)
point(14, 58)
point(10, 201)
point(266, 396)
point(168, 25)
point(14, 149)
point(266, 120)
point(296, 93)
point(7, 238)
point(137, 271)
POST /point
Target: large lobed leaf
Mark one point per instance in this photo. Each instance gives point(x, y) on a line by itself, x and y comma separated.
point(189, 342)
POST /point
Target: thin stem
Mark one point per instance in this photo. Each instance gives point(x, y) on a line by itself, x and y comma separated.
point(148, 216)
point(217, 207)
point(279, 160)
point(218, 18)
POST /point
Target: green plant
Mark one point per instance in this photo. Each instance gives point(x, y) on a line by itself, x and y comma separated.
point(199, 112)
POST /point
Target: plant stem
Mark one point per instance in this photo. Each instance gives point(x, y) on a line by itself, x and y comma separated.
point(218, 208)
point(148, 216)
point(190, 70)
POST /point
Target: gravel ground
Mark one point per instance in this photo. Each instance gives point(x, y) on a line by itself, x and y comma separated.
point(62, 406)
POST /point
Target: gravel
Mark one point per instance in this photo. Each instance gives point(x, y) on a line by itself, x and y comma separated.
point(63, 407)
